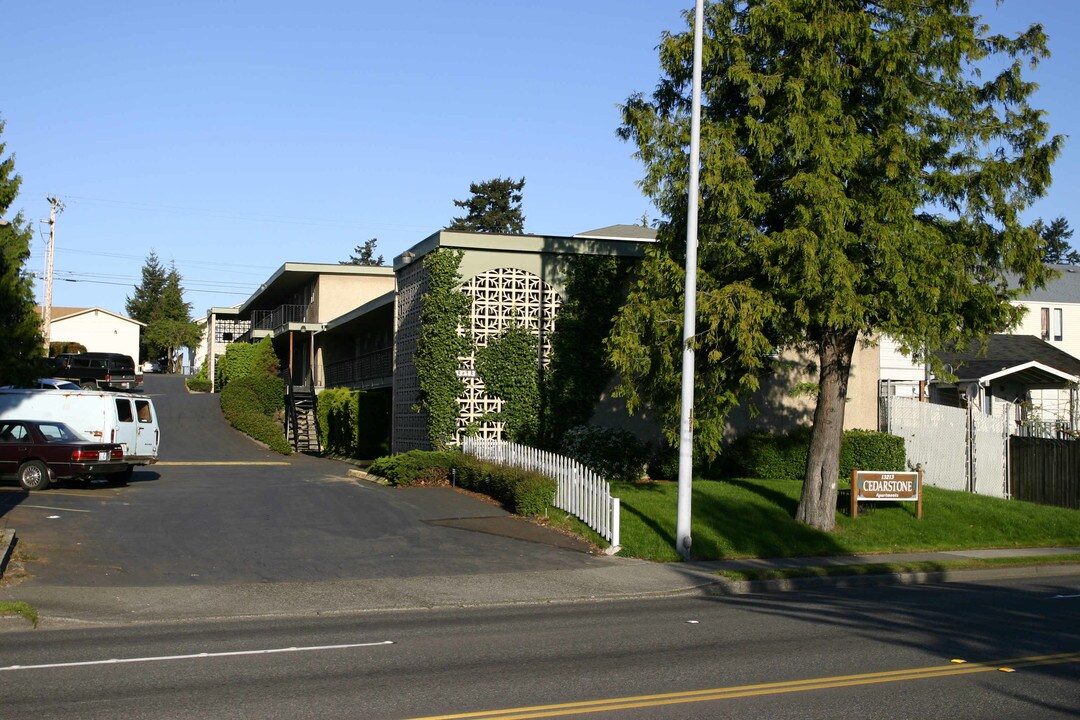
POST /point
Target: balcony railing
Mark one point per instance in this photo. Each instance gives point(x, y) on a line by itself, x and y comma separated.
point(365, 370)
point(282, 314)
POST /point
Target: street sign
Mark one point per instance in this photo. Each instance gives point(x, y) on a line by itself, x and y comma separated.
point(869, 486)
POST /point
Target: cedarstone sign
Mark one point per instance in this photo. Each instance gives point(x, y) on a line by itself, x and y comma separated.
point(869, 486)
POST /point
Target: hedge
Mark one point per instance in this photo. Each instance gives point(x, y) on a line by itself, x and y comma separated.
point(783, 457)
point(250, 403)
point(354, 423)
point(522, 491)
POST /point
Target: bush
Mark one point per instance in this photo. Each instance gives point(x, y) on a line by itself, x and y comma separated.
point(245, 360)
point(870, 450)
point(772, 457)
point(249, 403)
point(416, 467)
point(198, 384)
point(354, 423)
point(522, 491)
point(613, 454)
point(783, 457)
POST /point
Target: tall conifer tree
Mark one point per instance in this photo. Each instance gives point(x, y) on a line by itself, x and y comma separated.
point(22, 350)
point(857, 178)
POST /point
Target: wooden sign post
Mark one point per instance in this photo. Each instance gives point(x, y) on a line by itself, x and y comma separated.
point(886, 487)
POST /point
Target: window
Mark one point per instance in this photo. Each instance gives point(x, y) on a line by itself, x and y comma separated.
point(1044, 323)
point(1057, 326)
point(142, 407)
point(123, 411)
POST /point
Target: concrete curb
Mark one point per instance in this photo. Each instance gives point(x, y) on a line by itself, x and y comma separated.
point(974, 575)
point(7, 545)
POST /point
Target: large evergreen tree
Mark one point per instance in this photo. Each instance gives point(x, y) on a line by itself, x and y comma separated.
point(1055, 237)
point(495, 207)
point(143, 302)
point(22, 348)
point(857, 177)
point(159, 302)
point(364, 255)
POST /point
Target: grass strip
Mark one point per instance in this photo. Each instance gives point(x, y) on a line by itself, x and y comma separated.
point(892, 568)
point(20, 608)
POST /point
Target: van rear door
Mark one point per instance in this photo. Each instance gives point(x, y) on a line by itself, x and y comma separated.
point(146, 442)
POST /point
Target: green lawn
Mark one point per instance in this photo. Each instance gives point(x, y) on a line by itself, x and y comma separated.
point(754, 518)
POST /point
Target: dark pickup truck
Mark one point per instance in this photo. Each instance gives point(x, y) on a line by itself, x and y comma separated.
point(97, 370)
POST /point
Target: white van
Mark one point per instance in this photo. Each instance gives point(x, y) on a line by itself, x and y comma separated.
point(124, 418)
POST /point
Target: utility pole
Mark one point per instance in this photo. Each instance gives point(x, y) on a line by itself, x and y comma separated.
point(55, 207)
point(686, 405)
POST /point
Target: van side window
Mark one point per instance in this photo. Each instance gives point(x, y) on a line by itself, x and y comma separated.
point(142, 407)
point(123, 410)
point(80, 362)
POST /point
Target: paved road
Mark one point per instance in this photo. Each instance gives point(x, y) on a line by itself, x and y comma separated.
point(220, 510)
point(866, 653)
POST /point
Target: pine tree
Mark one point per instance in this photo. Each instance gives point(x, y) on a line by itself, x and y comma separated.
point(364, 255)
point(495, 207)
point(147, 294)
point(857, 178)
point(1055, 237)
point(21, 352)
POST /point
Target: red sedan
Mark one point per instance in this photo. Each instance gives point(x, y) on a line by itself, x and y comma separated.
point(39, 452)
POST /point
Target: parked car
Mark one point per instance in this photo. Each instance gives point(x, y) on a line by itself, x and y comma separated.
point(98, 370)
point(151, 366)
point(123, 418)
point(40, 452)
point(49, 384)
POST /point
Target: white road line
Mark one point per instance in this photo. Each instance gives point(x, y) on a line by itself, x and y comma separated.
point(196, 656)
point(1064, 597)
point(48, 507)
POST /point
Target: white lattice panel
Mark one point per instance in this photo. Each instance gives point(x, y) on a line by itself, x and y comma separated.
point(500, 298)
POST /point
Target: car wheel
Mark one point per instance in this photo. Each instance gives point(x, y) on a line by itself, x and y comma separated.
point(33, 475)
point(88, 385)
point(121, 478)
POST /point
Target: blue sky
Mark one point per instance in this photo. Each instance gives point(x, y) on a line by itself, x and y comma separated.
point(231, 137)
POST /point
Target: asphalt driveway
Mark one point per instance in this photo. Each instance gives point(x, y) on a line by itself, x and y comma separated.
point(220, 510)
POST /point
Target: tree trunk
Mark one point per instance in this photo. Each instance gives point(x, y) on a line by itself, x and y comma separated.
point(817, 507)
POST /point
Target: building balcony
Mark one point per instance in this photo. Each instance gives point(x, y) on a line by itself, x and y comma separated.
point(370, 370)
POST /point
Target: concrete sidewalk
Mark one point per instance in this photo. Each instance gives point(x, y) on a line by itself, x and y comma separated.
point(609, 578)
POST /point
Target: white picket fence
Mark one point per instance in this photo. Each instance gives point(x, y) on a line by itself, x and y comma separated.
point(579, 491)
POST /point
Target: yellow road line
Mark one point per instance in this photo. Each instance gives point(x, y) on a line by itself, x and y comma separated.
point(221, 462)
point(644, 701)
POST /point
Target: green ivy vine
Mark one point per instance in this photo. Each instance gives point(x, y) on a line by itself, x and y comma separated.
point(596, 286)
point(444, 312)
point(510, 369)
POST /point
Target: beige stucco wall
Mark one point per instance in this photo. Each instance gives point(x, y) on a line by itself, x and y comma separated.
point(99, 331)
point(336, 295)
point(861, 412)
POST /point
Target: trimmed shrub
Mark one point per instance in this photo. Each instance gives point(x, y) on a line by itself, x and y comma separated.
point(783, 457)
point(870, 450)
point(198, 384)
point(245, 360)
point(772, 457)
point(614, 454)
point(249, 404)
point(521, 491)
point(416, 467)
point(354, 423)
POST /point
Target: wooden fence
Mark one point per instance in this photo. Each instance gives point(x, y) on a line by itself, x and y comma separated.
point(1045, 471)
point(579, 490)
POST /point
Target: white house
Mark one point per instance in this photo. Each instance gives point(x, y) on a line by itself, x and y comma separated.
point(96, 329)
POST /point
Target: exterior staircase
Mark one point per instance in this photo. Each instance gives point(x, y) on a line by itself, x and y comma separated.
point(302, 423)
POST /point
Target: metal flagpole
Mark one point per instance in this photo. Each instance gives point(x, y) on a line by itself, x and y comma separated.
point(686, 406)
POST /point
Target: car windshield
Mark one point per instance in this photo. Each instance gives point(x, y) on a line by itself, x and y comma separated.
point(58, 432)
